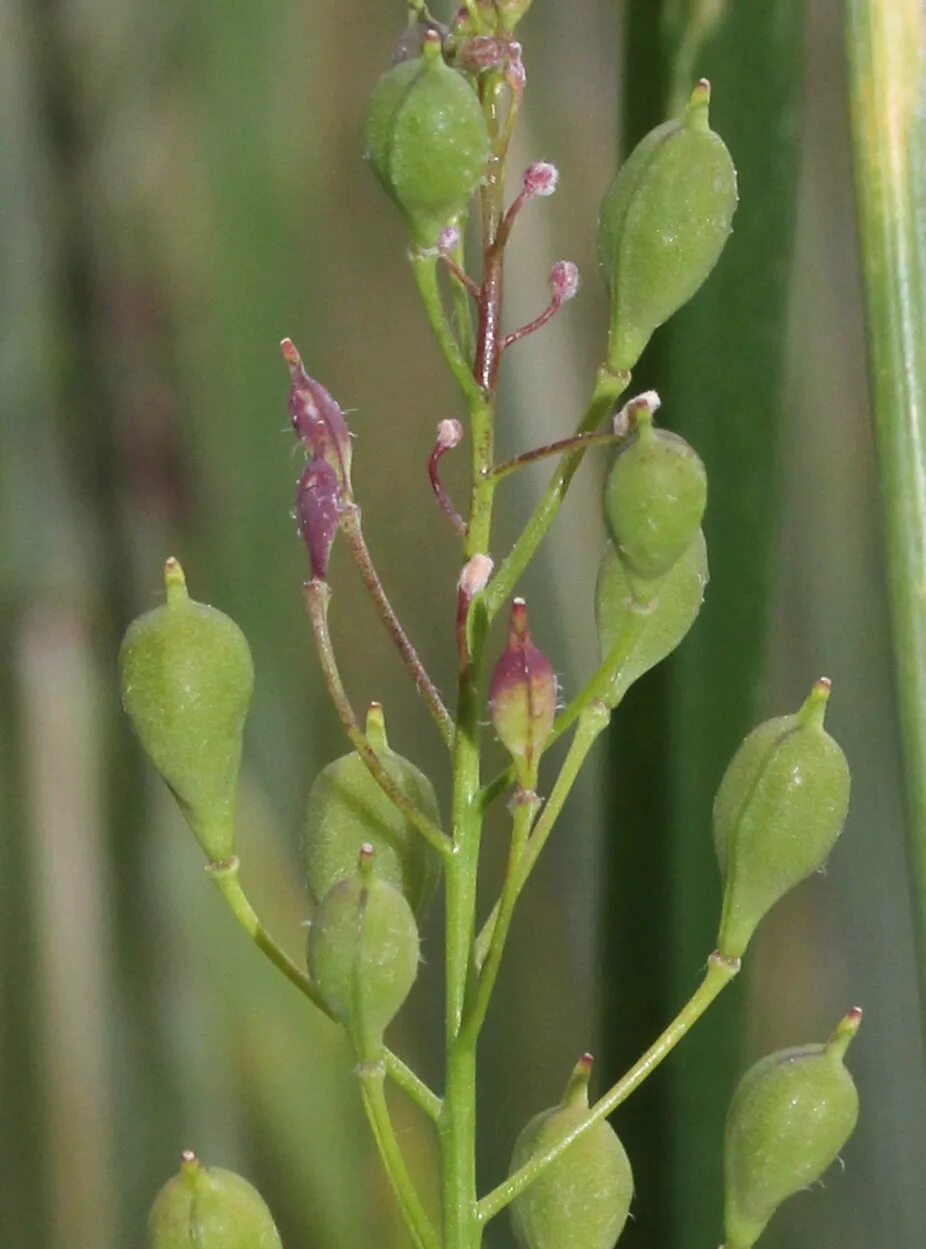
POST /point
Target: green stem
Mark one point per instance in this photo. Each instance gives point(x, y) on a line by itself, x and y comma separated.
point(886, 44)
point(424, 267)
point(377, 1110)
point(226, 877)
point(577, 442)
point(719, 973)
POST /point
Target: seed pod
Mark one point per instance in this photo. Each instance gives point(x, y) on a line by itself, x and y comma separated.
point(426, 140)
point(363, 954)
point(663, 224)
point(667, 613)
point(318, 513)
point(187, 680)
point(348, 809)
point(209, 1208)
point(317, 419)
point(522, 696)
point(654, 498)
point(790, 1116)
point(581, 1200)
point(779, 809)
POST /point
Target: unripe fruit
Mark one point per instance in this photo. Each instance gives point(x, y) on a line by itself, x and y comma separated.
point(654, 499)
point(209, 1208)
point(363, 955)
point(778, 812)
point(664, 617)
point(426, 140)
point(348, 809)
point(663, 224)
point(522, 696)
point(581, 1200)
point(187, 680)
point(790, 1116)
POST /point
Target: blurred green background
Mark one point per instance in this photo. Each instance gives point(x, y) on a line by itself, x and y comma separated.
point(182, 186)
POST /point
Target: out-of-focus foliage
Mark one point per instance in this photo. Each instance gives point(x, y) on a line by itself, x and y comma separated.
point(183, 186)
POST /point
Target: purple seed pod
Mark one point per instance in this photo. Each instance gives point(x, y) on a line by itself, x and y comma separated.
point(318, 513)
point(317, 418)
point(522, 695)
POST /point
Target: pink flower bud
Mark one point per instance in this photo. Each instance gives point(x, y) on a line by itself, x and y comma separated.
point(318, 513)
point(449, 434)
point(317, 418)
point(448, 239)
point(474, 576)
point(564, 281)
point(522, 696)
point(541, 178)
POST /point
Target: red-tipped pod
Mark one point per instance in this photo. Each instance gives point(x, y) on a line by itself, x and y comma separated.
point(522, 696)
point(581, 1200)
point(318, 513)
point(209, 1208)
point(778, 812)
point(790, 1116)
point(317, 419)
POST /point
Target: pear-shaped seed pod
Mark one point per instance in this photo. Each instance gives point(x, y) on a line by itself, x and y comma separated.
point(426, 140)
point(778, 812)
point(790, 1116)
point(363, 954)
point(654, 499)
point(348, 809)
point(522, 696)
point(187, 680)
point(581, 1200)
point(665, 616)
point(663, 224)
point(209, 1208)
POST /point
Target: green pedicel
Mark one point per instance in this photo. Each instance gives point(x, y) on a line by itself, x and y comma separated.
point(663, 224)
point(347, 809)
point(187, 680)
point(581, 1200)
point(790, 1116)
point(778, 812)
point(209, 1208)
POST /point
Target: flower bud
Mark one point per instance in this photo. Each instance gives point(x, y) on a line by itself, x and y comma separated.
point(363, 954)
point(663, 224)
point(317, 419)
point(209, 1208)
point(427, 142)
point(581, 1200)
point(348, 809)
point(779, 809)
point(318, 513)
point(187, 680)
point(654, 498)
point(666, 614)
point(522, 696)
point(790, 1116)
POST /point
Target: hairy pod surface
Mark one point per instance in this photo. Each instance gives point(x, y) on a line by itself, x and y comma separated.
point(426, 141)
point(663, 225)
point(778, 812)
point(187, 679)
point(654, 499)
point(209, 1208)
point(667, 614)
point(347, 809)
point(581, 1201)
point(363, 954)
point(522, 696)
point(790, 1116)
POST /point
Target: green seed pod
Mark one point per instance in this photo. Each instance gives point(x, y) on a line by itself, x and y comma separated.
point(779, 809)
point(363, 954)
point(790, 1116)
point(426, 140)
point(348, 809)
point(666, 614)
point(654, 498)
point(187, 680)
point(581, 1200)
point(208, 1208)
point(663, 224)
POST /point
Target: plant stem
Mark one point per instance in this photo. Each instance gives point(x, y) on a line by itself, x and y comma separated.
point(317, 598)
point(424, 267)
point(576, 442)
point(226, 878)
point(886, 46)
point(719, 973)
point(353, 531)
point(377, 1110)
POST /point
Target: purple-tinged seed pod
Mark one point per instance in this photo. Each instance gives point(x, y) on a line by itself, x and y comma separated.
point(319, 504)
point(522, 695)
point(317, 418)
